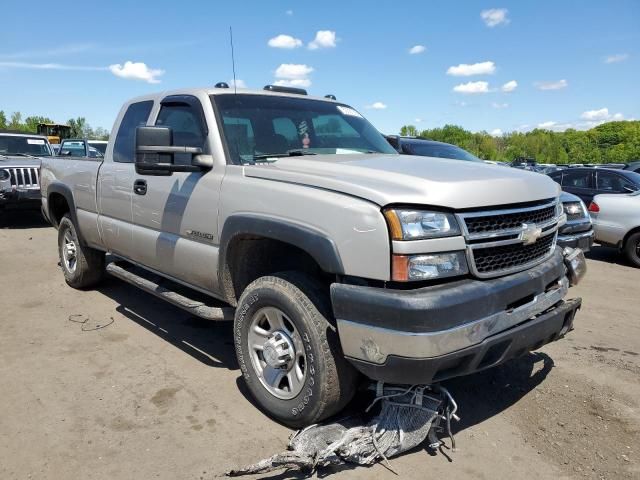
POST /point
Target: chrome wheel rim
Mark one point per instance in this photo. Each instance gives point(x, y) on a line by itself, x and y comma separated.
point(277, 353)
point(69, 252)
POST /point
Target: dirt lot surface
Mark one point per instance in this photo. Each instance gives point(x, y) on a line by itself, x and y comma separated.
point(142, 390)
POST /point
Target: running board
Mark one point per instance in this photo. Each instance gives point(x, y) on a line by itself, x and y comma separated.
point(134, 276)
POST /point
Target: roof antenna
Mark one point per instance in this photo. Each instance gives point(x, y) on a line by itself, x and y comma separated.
point(233, 62)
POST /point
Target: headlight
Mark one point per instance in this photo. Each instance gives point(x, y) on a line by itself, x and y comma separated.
point(409, 224)
point(4, 175)
point(428, 267)
point(575, 208)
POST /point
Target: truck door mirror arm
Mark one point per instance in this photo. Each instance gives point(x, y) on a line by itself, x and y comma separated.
point(155, 151)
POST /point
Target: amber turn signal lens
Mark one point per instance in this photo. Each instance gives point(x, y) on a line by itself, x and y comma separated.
point(394, 224)
point(399, 268)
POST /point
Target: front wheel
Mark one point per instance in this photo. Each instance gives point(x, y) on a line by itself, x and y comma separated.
point(289, 351)
point(632, 249)
point(82, 266)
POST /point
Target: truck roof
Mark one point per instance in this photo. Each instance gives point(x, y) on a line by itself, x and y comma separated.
point(13, 133)
point(225, 91)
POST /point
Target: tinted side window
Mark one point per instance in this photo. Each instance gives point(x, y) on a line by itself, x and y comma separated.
point(576, 179)
point(556, 177)
point(186, 126)
point(135, 116)
point(610, 182)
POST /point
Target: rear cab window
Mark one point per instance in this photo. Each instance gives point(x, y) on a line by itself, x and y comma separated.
point(136, 115)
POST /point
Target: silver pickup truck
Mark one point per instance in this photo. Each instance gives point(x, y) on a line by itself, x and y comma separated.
point(333, 255)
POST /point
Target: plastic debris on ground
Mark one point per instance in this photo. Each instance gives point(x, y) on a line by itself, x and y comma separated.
point(407, 417)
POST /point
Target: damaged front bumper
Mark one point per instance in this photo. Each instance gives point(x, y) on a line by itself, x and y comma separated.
point(430, 334)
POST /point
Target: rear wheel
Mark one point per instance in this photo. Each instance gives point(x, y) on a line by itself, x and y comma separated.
point(289, 351)
point(632, 249)
point(82, 266)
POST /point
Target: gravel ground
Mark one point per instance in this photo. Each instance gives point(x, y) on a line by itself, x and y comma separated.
point(143, 390)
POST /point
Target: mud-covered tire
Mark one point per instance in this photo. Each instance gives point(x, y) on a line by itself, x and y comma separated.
point(632, 249)
point(87, 269)
point(329, 382)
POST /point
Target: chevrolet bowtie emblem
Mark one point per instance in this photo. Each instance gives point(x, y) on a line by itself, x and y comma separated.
point(530, 233)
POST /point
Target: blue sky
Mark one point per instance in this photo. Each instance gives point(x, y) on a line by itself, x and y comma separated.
point(574, 63)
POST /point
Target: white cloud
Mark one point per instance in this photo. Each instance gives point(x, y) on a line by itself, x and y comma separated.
point(472, 87)
point(62, 50)
point(509, 86)
point(555, 126)
point(466, 70)
point(238, 83)
point(558, 85)
point(494, 17)
point(600, 116)
point(50, 66)
point(289, 12)
point(136, 71)
point(324, 39)
point(547, 124)
point(416, 49)
point(499, 105)
point(377, 106)
point(496, 132)
point(295, 82)
point(417, 120)
point(618, 57)
point(290, 71)
point(284, 41)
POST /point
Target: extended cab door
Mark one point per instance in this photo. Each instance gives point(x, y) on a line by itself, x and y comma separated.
point(115, 180)
point(175, 216)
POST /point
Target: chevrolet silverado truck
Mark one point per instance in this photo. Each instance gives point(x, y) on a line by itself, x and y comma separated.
point(20, 157)
point(334, 256)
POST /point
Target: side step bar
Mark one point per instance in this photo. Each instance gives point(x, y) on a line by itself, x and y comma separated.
point(133, 275)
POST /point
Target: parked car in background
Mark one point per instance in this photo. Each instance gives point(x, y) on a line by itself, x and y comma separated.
point(633, 167)
point(616, 221)
point(577, 232)
point(429, 148)
point(587, 182)
point(78, 148)
point(20, 157)
point(100, 145)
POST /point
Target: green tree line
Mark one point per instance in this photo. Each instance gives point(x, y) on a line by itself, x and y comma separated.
point(609, 142)
point(79, 126)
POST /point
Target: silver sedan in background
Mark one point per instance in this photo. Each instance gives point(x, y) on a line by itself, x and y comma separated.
point(616, 221)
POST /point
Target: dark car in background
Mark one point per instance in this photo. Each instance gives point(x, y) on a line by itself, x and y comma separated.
point(633, 166)
point(429, 148)
point(578, 231)
point(586, 182)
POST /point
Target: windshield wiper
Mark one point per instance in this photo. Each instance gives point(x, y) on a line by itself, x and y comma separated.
point(299, 152)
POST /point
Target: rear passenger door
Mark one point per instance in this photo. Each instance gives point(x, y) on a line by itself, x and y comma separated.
point(175, 218)
point(116, 181)
point(580, 183)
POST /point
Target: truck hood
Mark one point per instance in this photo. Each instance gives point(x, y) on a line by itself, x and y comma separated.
point(406, 179)
point(7, 161)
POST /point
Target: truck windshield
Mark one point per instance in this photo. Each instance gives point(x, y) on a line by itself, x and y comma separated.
point(24, 146)
point(261, 126)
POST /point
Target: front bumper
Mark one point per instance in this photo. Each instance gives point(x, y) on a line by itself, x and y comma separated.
point(27, 198)
point(581, 240)
point(433, 333)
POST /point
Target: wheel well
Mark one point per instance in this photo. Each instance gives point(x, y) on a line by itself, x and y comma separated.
point(250, 257)
point(58, 206)
point(629, 233)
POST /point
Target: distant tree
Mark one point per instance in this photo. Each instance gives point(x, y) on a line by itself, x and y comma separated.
point(78, 126)
point(16, 121)
point(100, 134)
point(409, 131)
point(3, 119)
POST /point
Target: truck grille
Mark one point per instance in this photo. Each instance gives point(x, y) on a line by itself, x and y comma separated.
point(497, 242)
point(24, 177)
point(493, 223)
point(496, 259)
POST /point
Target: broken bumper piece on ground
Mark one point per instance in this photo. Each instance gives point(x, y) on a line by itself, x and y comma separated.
point(407, 417)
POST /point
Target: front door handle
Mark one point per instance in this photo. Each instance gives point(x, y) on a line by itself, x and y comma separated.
point(140, 187)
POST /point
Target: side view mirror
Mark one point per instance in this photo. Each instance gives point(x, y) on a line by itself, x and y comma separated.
point(155, 151)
